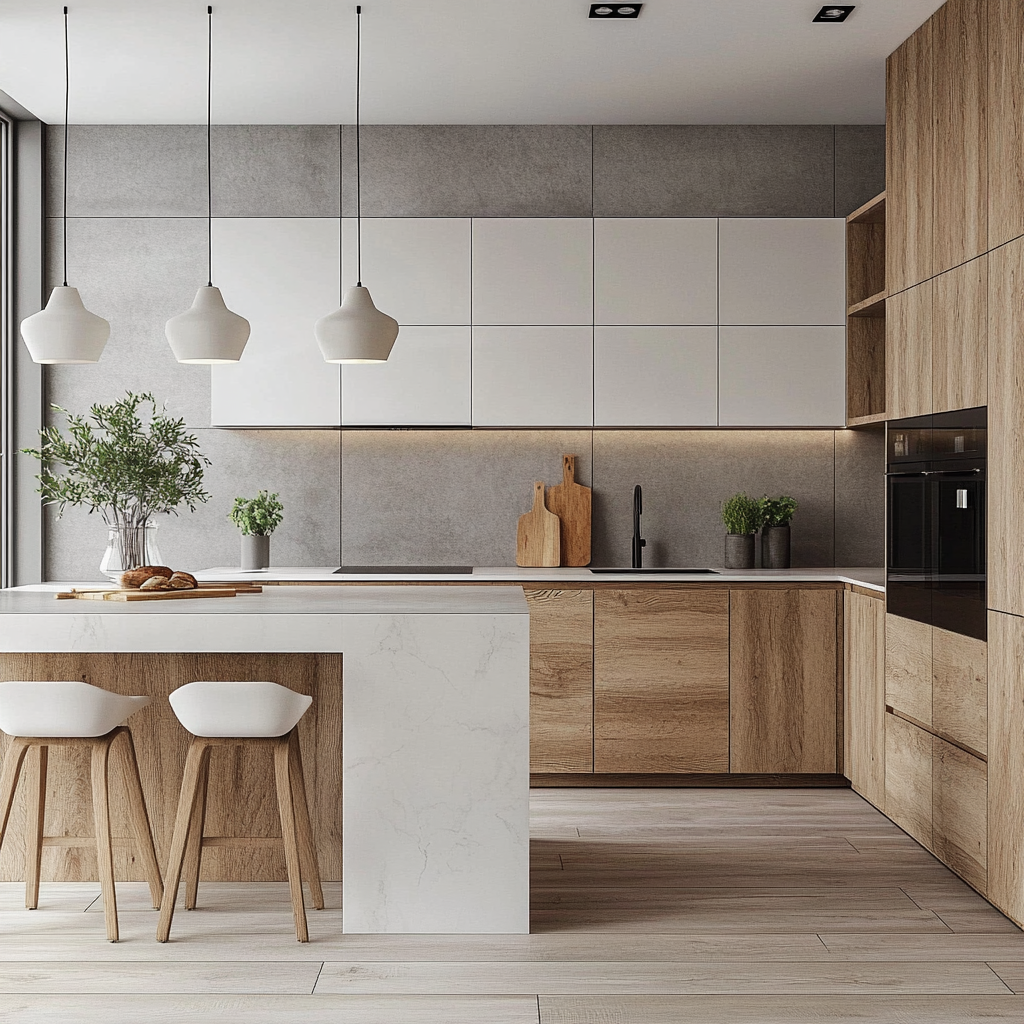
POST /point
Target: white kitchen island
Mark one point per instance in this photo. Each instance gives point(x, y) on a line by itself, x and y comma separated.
point(435, 735)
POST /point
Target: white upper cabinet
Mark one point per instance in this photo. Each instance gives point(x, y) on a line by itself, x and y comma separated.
point(533, 376)
point(782, 376)
point(417, 269)
point(281, 274)
point(655, 376)
point(425, 382)
point(655, 271)
point(533, 271)
point(782, 272)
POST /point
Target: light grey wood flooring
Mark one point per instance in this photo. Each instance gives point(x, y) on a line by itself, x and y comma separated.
point(648, 906)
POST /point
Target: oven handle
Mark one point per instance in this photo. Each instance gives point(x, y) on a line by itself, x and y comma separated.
point(938, 472)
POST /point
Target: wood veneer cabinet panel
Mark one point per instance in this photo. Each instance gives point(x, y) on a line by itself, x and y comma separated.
point(561, 680)
point(241, 801)
point(783, 681)
point(908, 352)
point(908, 667)
point(1005, 120)
point(1006, 764)
point(959, 332)
point(908, 778)
point(960, 688)
point(1006, 428)
point(909, 162)
point(960, 100)
point(661, 680)
point(864, 691)
point(960, 812)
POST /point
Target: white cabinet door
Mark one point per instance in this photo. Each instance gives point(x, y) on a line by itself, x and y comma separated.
point(533, 271)
point(656, 271)
point(281, 274)
point(655, 376)
point(533, 376)
point(782, 271)
point(416, 268)
point(425, 382)
point(782, 376)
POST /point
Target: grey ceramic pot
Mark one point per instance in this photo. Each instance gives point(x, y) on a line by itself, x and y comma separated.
point(775, 547)
point(255, 552)
point(739, 551)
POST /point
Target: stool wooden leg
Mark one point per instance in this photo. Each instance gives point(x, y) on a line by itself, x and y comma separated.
point(9, 780)
point(141, 828)
point(194, 846)
point(101, 813)
point(182, 820)
point(286, 807)
point(307, 849)
point(34, 824)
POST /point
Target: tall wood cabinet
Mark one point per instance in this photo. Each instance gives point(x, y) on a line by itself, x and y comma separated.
point(1005, 124)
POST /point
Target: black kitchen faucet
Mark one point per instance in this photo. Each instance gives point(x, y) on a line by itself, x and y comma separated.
point(638, 542)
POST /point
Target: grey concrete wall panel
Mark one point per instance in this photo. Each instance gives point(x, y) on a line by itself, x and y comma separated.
point(131, 170)
point(302, 466)
point(687, 474)
point(276, 171)
point(713, 170)
point(860, 165)
point(446, 497)
point(471, 171)
point(860, 497)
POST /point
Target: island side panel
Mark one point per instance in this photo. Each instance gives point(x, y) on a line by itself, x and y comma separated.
point(242, 800)
point(436, 777)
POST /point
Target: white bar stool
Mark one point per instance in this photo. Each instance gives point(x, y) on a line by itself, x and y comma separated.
point(220, 714)
point(43, 714)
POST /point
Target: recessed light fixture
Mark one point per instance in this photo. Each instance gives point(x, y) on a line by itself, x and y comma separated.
point(609, 11)
point(834, 12)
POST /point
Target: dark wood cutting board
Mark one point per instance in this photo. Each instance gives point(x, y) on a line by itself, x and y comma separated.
point(572, 503)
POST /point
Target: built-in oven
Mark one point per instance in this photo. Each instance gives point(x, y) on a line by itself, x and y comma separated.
point(935, 520)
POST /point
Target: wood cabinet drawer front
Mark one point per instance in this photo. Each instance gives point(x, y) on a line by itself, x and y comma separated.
point(960, 811)
point(960, 689)
point(908, 668)
point(783, 670)
point(661, 680)
point(908, 778)
point(561, 680)
point(864, 721)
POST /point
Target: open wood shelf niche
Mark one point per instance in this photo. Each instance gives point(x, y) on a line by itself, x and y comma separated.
point(865, 325)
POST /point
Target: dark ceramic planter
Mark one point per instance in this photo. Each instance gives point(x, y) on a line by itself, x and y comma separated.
point(255, 552)
point(775, 547)
point(739, 551)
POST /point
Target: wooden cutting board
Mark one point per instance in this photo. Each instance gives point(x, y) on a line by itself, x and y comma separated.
point(538, 537)
point(571, 502)
point(144, 595)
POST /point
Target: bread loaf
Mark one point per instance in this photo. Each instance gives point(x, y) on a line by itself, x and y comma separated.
point(182, 581)
point(134, 578)
point(156, 583)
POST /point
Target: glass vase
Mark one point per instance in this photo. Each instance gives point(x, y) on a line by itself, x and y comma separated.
point(128, 547)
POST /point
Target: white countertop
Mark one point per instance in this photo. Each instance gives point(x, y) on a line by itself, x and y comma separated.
point(871, 577)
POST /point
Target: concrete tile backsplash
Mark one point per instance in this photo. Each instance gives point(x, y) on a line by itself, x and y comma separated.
point(137, 246)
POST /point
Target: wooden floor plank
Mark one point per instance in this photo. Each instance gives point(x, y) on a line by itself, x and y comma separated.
point(903, 946)
point(1012, 975)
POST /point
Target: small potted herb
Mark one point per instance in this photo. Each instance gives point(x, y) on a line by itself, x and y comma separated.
point(775, 540)
point(257, 518)
point(742, 518)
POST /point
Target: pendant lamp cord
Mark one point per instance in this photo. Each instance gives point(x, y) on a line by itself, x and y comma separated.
point(209, 149)
point(359, 191)
point(67, 98)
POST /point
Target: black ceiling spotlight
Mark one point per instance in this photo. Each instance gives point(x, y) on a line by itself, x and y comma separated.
point(610, 11)
point(834, 12)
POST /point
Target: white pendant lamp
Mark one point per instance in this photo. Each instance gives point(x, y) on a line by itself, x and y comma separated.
point(208, 332)
point(357, 332)
point(65, 331)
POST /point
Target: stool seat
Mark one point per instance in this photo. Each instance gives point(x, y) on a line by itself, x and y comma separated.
point(238, 709)
point(62, 708)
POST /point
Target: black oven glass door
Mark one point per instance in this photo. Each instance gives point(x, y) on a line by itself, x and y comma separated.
point(911, 554)
point(958, 508)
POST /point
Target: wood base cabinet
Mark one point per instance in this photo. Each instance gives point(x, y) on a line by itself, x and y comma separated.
point(661, 680)
point(960, 812)
point(864, 693)
point(908, 778)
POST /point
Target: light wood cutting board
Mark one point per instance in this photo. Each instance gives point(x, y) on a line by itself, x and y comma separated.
point(538, 537)
point(144, 595)
point(571, 502)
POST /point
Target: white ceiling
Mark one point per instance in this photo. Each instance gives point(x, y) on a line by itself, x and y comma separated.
point(455, 61)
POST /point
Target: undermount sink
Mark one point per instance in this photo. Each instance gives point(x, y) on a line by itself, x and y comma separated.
point(680, 572)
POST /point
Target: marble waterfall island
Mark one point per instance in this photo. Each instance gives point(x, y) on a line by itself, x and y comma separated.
point(416, 747)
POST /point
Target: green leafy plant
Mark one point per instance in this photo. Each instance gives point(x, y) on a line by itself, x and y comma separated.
point(777, 511)
point(121, 460)
point(259, 516)
point(741, 514)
